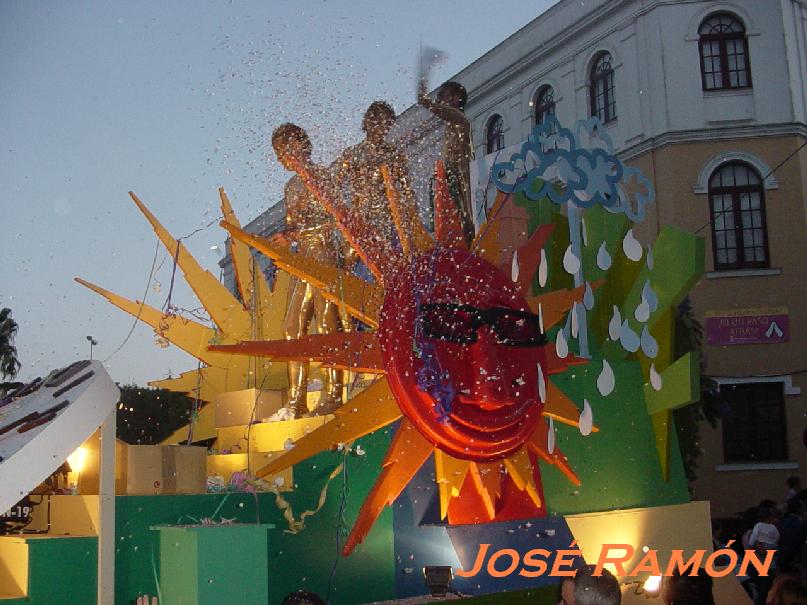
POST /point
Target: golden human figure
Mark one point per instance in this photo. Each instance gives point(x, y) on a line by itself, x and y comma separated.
point(457, 148)
point(359, 177)
point(312, 230)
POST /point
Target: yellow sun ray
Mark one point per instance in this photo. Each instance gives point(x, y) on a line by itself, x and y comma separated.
point(486, 241)
point(450, 474)
point(520, 469)
point(355, 351)
point(225, 310)
point(188, 335)
point(368, 411)
point(488, 483)
point(210, 382)
point(361, 299)
point(408, 451)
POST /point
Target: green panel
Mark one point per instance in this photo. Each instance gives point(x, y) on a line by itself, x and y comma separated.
point(62, 571)
point(295, 560)
point(618, 466)
point(680, 385)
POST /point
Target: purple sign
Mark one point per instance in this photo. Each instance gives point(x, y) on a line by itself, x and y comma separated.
point(747, 326)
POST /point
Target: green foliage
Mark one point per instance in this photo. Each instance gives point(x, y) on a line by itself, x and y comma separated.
point(688, 338)
point(146, 415)
point(9, 364)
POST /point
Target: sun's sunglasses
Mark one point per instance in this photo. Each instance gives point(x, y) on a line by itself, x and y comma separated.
point(460, 324)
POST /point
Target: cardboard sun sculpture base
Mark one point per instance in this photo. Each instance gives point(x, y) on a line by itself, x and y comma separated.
point(460, 346)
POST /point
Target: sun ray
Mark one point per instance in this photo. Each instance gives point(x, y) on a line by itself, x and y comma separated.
point(537, 444)
point(368, 411)
point(408, 451)
point(208, 381)
point(521, 472)
point(529, 256)
point(414, 237)
point(488, 482)
point(373, 251)
point(556, 304)
point(355, 351)
point(560, 408)
point(225, 310)
point(488, 234)
point(447, 222)
point(450, 474)
point(361, 298)
point(190, 336)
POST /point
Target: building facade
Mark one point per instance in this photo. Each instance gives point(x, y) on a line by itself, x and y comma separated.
point(708, 99)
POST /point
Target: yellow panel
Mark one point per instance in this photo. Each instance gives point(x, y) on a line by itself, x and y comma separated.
point(661, 428)
point(205, 427)
point(450, 473)
point(13, 567)
point(651, 527)
point(267, 436)
point(362, 299)
point(224, 309)
point(366, 412)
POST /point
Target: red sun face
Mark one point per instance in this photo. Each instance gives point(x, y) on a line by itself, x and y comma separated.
point(461, 350)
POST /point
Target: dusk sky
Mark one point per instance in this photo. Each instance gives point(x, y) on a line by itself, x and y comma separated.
point(173, 100)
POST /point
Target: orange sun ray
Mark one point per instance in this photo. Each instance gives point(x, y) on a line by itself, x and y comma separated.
point(529, 256)
point(408, 451)
point(355, 351)
point(560, 408)
point(361, 299)
point(447, 222)
point(538, 445)
point(414, 237)
point(555, 305)
point(368, 411)
point(486, 239)
point(520, 470)
point(373, 251)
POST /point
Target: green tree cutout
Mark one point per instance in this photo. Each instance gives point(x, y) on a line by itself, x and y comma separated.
point(688, 419)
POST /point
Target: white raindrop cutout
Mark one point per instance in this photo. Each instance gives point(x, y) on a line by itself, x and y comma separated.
point(584, 232)
point(514, 266)
point(650, 296)
point(603, 258)
point(561, 346)
point(649, 344)
point(586, 421)
point(550, 437)
point(588, 297)
point(574, 321)
point(615, 325)
point(606, 380)
point(631, 246)
point(642, 312)
point(628, 338)
point(541, 384)
point(570, 262)
point(649, 258)
point(543, 269)
point(541, 318)
point(655, 378)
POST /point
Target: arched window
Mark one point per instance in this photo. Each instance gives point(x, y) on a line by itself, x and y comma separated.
point(603, 102)
point(724, 53)
point(739, 233)
point(544, 104)
point(495, 134)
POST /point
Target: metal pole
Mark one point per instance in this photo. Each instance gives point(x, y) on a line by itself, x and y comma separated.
point(106, 514)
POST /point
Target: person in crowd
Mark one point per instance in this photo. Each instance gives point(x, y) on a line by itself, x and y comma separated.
point(303, 597)
point(688, 590)
point(588, 589)
point(793, 488)
point(792, 535)
point(787, 590)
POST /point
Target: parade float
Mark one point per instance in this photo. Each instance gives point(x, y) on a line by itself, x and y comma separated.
point(505, 394)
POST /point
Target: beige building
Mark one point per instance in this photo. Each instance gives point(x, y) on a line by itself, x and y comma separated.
point(708, 99)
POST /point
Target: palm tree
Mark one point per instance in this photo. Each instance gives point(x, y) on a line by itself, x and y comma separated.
point(9, 364)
